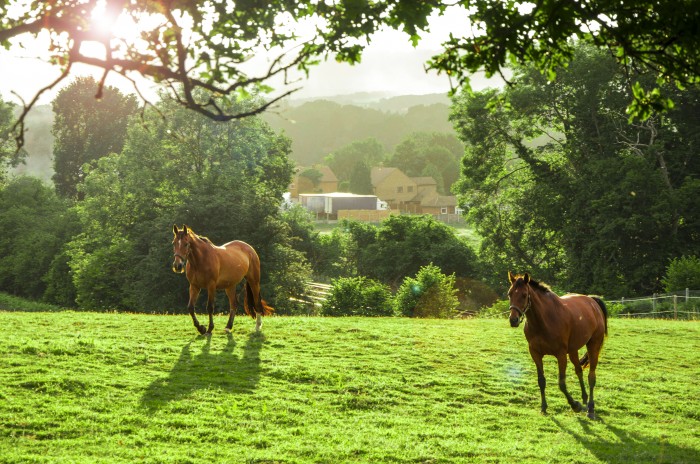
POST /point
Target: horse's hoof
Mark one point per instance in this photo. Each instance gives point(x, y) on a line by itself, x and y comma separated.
point(577, 407)
point(227, 330)
point(201, 330)
point(592, 416)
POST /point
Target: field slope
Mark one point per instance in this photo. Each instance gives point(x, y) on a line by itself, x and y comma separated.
point(90, 387)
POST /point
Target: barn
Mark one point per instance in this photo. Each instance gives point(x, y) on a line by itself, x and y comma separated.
point(331, 203)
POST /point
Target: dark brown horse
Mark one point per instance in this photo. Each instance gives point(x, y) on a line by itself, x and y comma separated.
point(559, 327)
point(213, 268)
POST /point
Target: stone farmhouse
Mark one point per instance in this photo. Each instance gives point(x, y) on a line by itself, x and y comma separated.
point(415, 195)
point(411, 194)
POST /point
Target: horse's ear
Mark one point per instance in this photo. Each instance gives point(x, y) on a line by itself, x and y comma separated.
point(184, 229)
point(175, 229)
point(511, 277)
point(526, 278)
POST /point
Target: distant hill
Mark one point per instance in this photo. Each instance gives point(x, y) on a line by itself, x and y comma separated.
point(319, 127)
point(316, 127)
point(379, 100)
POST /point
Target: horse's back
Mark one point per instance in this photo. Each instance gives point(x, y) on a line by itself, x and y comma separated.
point(234, 260)
point(586, 318)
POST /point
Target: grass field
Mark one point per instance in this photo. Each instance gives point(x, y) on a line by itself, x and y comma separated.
point(91, 387)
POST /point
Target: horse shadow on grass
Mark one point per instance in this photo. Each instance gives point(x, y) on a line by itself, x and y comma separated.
point(613, 444)
point(224, 371)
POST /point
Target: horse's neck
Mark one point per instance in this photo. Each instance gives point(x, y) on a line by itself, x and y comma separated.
point(199, 250)
point(542, 307)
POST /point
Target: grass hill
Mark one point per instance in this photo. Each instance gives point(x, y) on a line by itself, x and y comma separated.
point(100, 387)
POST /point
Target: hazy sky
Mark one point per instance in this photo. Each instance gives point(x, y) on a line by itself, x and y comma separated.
point(389, 65)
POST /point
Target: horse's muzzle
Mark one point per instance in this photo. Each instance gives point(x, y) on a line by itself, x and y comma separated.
point(514, 321)
point(178, 267)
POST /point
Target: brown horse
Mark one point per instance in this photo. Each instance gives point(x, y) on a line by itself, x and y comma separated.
point(559, 327)
point(213, 268)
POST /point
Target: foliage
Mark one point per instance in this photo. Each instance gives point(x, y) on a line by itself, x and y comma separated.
point(16, 303)
point(36, 226)
point(358, 296)
point(558, 183)
point(86, 129)
point(223, 180)
point(430, 294)
point(402, 244)
point(498, 310)
point(682, 273)
point(220, 40)
point(331, 256)
point(342, 135)
point(313, 174)
point(344, 161)
point(361, 179)
point(9, 155)
point(433, 155)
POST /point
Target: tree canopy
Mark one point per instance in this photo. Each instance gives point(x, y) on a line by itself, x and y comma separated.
point(560, 184)
point(86, 129)
point(205, 44)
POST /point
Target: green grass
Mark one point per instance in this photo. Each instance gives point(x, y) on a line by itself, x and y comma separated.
point(96, 387)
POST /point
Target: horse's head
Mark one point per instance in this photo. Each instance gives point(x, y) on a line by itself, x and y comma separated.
point(181, 248)
point(519, 297)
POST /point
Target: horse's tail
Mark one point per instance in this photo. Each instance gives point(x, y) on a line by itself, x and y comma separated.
point(604, 309)
point(249, 303)
point(584, 361)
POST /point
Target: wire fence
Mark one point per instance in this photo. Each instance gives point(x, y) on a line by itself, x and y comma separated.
point(675, 305)
point(683, 305)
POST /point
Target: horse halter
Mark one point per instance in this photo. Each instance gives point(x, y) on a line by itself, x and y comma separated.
point(522, 312)
point(187, 253)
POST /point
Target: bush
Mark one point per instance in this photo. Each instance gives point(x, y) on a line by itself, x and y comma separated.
point(358, 296)
point(430, 294)
point(497, 310)
point(682, 273)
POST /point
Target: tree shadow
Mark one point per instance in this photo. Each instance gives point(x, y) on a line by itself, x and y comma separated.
point(224, 370)
point(613, 444)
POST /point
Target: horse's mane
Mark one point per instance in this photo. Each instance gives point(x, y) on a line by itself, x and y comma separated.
point(193, 234)
point(544, 288)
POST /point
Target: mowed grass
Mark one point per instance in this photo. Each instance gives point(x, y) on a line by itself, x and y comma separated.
point(95, 387)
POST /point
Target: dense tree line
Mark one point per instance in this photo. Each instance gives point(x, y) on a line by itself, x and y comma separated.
point(559, 182)
point(108, 247)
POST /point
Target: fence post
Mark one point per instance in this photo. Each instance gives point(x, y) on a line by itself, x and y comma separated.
point(653, 303)
point(675, 307)
point(687, 295)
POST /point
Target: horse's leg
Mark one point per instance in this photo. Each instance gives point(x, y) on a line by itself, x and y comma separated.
point(194, 294)
point(575, 405)
point(211, 298)
point(573, 356)
point(593, 353)
point(254, 289)
point(541, 381)
point(231, 294)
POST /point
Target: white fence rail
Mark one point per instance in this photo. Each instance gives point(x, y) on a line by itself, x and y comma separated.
point(314, 296)
point(683, 305)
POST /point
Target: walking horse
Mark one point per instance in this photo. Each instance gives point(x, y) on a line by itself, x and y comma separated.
point(213, 268)
point(559, 326)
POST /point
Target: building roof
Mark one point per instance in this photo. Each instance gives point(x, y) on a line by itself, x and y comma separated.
point(337, 195)
point(439, 200)
point(424, 181)
point(379, 174)
point(328, 174)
